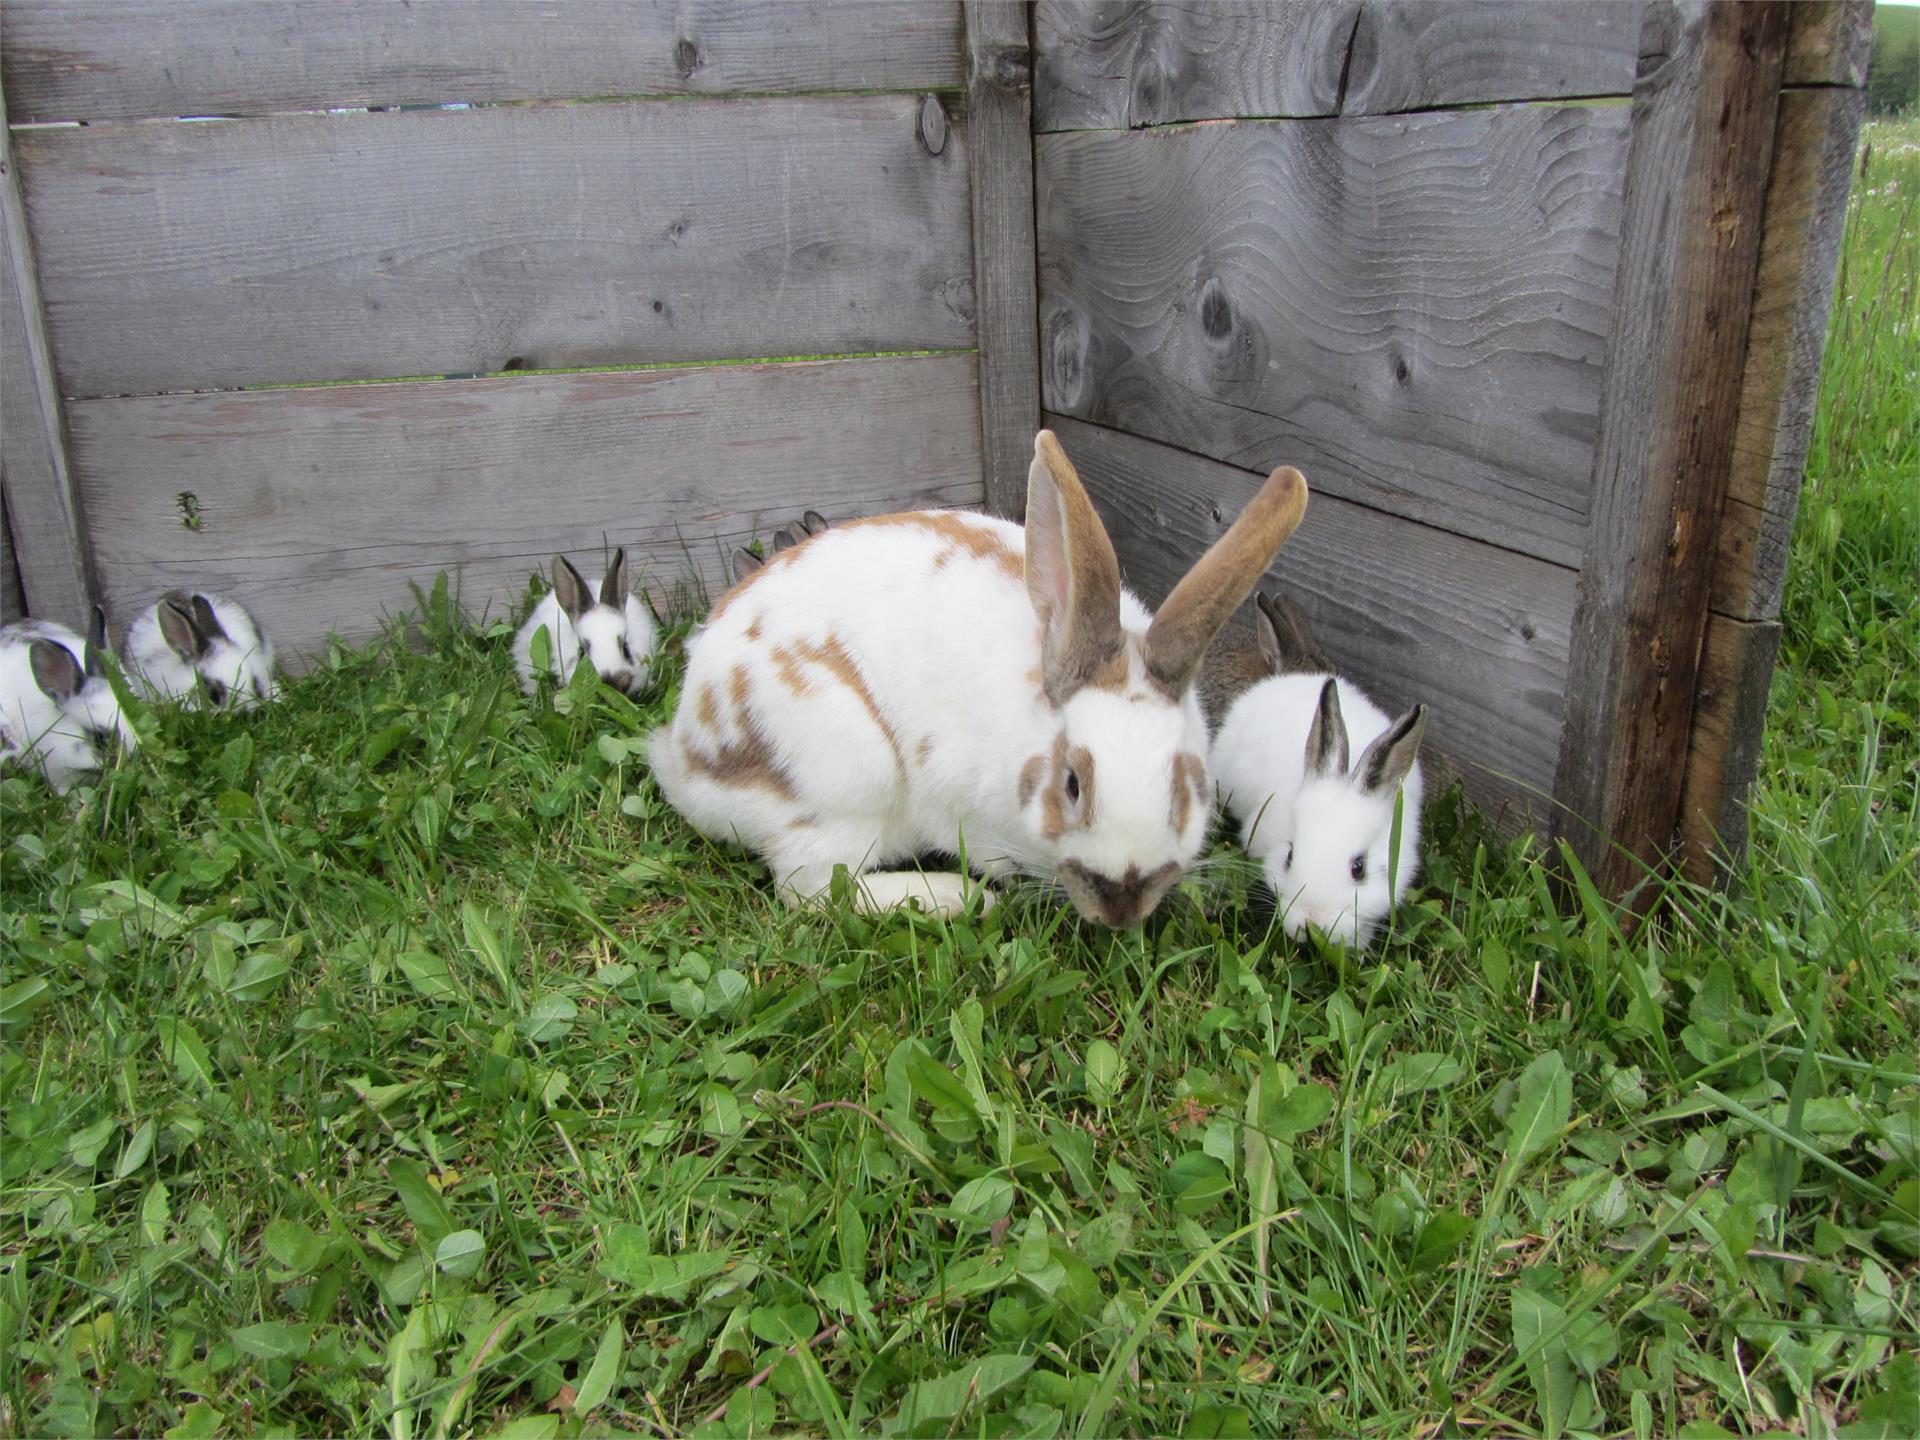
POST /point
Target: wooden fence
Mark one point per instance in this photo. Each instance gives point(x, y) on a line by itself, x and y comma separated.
point(1534, 294)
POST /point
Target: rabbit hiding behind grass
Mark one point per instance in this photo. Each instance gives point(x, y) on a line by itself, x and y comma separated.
point(613, 630)
point(55, 703)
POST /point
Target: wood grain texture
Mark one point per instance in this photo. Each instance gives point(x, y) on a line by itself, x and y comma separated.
point(1415, 614)
point(1829, 42)
point(1121, 65)
point(317, 506)
point(1413, 309)
point(13, 600)
point(1806, 209)
point(46, 526)
point(325, 247)
point(125, 59)
point(1729, 723)
point(999, 111)
point(1704, 118)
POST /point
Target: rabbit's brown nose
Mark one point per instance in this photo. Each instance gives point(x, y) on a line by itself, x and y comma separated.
point(1116, 902)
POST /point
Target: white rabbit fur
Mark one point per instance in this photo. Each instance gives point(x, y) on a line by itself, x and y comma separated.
point(200, 649)
point(1308, 820)
point(53, 713)
point(947, 681)
point(614, 631)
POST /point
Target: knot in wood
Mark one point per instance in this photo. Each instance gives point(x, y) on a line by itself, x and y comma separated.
point(933, 124)
point(686, 57)
point(1000, 67)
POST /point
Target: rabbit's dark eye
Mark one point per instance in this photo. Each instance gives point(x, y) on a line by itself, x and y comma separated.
point(259, 688)
point(1358, 869)
point(216, 694)
point(1289, 861)
point(1072, 786)
point(625, 653)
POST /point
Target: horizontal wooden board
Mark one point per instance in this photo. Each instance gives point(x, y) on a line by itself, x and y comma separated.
point(318, 506)
point(1115, 66)
point(121, 59)
point(181, 256)
point(1414, 613)
point(1413, 309)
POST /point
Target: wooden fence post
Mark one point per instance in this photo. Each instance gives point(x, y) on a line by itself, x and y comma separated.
point(42, 505)
point(1000, 118)
point(1704, 111)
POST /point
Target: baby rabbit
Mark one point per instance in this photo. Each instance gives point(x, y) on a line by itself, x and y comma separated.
point(745, 562)
point(1320, 827)
point(942, 680)
point(198, 649)
point(615, 632)
point(55, 702)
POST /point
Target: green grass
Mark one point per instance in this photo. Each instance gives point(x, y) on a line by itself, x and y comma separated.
point(394, 1061)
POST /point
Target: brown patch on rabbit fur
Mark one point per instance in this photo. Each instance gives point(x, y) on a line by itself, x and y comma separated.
point(1189, 789)
point(831, 656)
point(744, 764)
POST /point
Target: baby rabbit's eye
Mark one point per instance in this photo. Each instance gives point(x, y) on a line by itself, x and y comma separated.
point(1288, 865)
point(625, 653)
point(1358, 869)
point(259, 688)
point(216, 693)
point(1073, 788)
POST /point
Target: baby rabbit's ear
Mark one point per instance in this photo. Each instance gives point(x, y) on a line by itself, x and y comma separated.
point(1385, 763)
point(96, 642)
point(1327, 739)
point(55, 670)
point(179, 628)
point(613, 588)
point(206, 622)
point(784, 539)
point(569, 589)
point(1286, 637)
point(1073, 577)
point(745, 562)
point(813, 522)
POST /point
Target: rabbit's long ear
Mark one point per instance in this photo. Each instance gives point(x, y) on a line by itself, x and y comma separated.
point(97, 642)
point(745, 562)
point(1286, 637)
point(1073, 577)
point(1327, 737)
point(571, 591)
point(206, 622)
point(1385, 763)
point(813, 522)
point(1213, 589)
point(55, 670)
point(179, 627)
point(613, 588)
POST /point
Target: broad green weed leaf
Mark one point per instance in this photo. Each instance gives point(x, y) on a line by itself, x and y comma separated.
point(549, 1019)
point(1218, 1422)
point(155, 1215)
point(485, 943)
point(1548, 1368)
point(427, 973)
point(983, 1201)
point(1439, 1241)
point(424, 1207)
point(784, 1324)
point(258, 976)
point(597, 1384)
point(1303, 1108)
point(460, 1254)
point(274, 1339)
point(139, 1146)
point(1541, 1109)
point(295, 1246)
point(527, 1427)
point(965, 1389)
point(1426, 1070)
point(1103, 1072)
point(936, 1084)
point(186, 1052)
point(20, 1000)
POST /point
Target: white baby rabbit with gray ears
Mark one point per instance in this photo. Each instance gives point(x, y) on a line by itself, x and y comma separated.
point(942, 680)
point(199, 648)
point(615, 632)
point(55, 702)
point(1320, 826)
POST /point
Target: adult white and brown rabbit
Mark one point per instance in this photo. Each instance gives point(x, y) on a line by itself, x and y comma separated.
point(55, 703)
point(942, 680)
point(613, 630)
point(1319, 823)
point(200, 648)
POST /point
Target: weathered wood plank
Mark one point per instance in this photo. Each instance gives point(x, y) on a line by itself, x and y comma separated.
point(1704, 117)
point(1729, 723)
point(1112, 66)
point(317, 506)
point(46, 531)
point(1413, 309)
point(13, 600)
point(1829, 42)
point(999, 112)
point(125, 59)
point(1806, 210)
point(323, 247)
point(1414, 613)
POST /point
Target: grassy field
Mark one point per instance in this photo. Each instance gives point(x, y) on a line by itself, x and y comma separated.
point(395, 1061)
